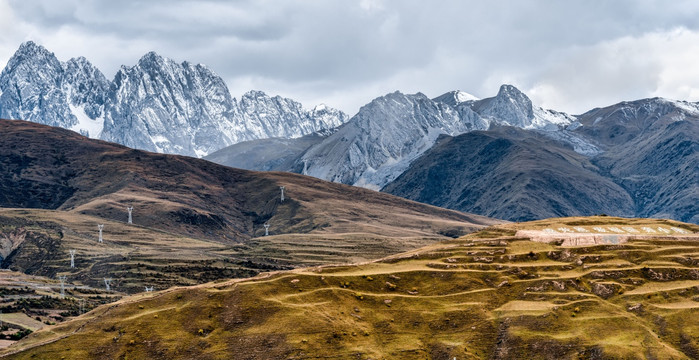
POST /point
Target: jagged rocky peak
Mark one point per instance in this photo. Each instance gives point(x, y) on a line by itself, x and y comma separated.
point(187, 109)
point(404, 112)
point(255, 94)
point(330, 116)
point(161, 105)
point(283, 117)
point(157, 105)
point(85, 86)
point(255, 102)
point(520, 101)
point(512, 107)
point(33, 52)
point(32, 65)
point(509, 106)
point(381, 140)
point(31, 87)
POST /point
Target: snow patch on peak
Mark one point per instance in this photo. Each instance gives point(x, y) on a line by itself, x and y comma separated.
point(86, 126)
point(543, 118)
point(462, 96)
point(690, 108)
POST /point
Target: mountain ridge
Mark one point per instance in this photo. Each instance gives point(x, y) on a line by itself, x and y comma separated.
point(647, 148)
point(646, 165)
point(156, 105)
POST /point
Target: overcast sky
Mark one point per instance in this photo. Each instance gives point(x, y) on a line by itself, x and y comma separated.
point(566, 55)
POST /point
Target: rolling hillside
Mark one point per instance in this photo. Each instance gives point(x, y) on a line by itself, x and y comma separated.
point(52, 168)
point(193, 221)
point(513, 174)
point(491, 295)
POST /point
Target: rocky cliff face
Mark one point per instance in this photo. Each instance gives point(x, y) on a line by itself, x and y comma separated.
point(379, 143)
point(157, 105)
point(32, 88)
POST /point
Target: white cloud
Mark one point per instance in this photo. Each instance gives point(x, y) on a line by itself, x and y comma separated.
point(569, 55)
point(12, 32)
point(653, 64)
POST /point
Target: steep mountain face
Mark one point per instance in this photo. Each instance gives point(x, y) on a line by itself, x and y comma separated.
point(86, 89)
point(620, 123)
point(267, 117)
point(32, 88)
point(512, 107)
point(160, 105)
point(512, 174)
point(652, 150)
point(379, 143)
point(156, 105)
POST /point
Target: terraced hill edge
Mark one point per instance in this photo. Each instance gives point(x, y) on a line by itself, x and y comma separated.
point(488, 295)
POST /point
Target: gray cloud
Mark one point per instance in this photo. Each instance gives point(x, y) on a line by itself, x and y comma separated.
point(569, 55)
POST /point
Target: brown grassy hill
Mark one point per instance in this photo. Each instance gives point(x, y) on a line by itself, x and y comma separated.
point(36, 241)
point(513, 174)
point(489, 295)
point(52, 168)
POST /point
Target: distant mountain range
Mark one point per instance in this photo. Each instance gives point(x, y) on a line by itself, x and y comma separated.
point(505, 157)
point(156, 105)
point(501, 156)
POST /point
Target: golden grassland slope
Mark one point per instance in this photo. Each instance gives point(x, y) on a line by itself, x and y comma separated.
point(489, 295)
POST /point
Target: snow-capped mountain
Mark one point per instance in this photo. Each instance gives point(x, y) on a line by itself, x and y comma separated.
point(157, 105)
point(32, 88)
point(160, 105)
point(379, 143)
point(512, 107)
point(455, 97)
point(267, 117)
point(636, 158)
point(86, 89)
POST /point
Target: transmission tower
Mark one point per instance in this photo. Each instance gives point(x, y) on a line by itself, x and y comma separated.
point(108, 283)
point(72, 258)
point(100, 227)
point(130, 209)
point(149, 289)
point(266, 229)
point(282, 189)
